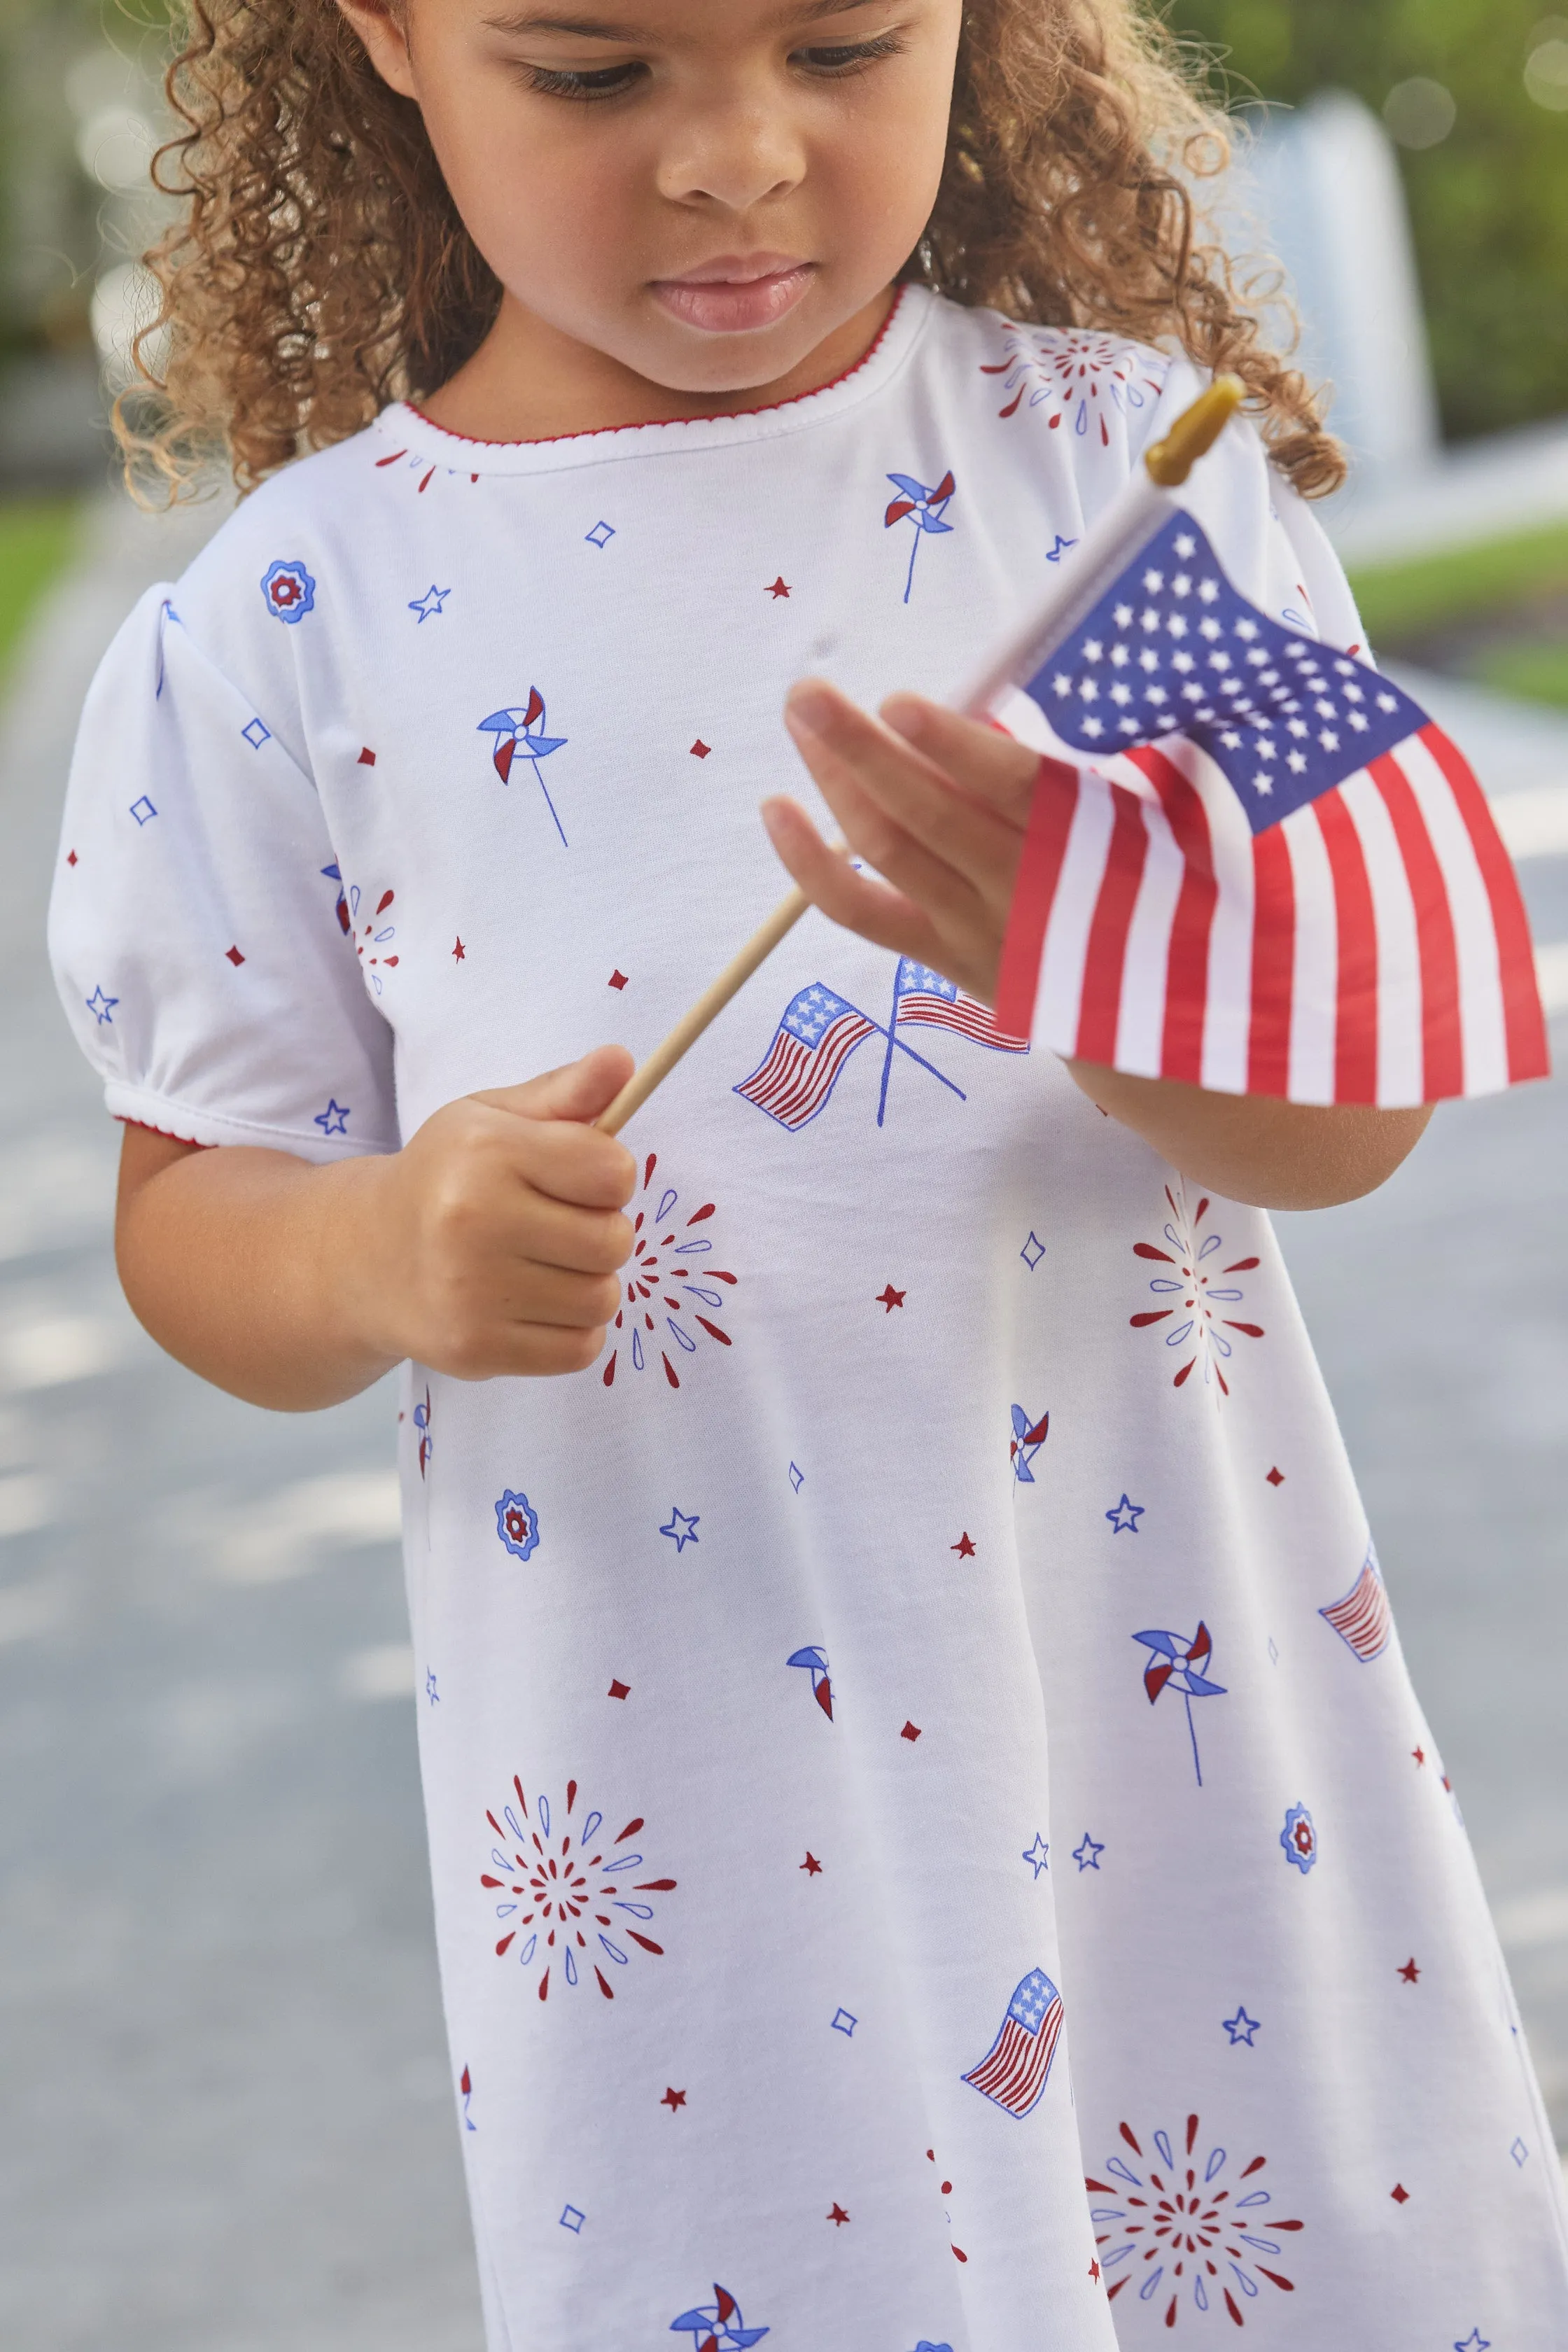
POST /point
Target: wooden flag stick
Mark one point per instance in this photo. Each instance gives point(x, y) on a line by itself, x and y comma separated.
point(707, 1009)
point(1165, 467)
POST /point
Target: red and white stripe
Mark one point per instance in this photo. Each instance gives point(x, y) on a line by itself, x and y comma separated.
point(1014, 2071)
point(1371, 948)
point(796, 1079)
point(922, 1009)
point(1363, 1618)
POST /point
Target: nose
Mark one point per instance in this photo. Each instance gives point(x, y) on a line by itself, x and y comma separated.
point(736, 153)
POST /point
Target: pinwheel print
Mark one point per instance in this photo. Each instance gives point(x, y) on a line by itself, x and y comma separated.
point(717, 2327)
point(522, 730)
point(924, 508)
point(1179, 1664)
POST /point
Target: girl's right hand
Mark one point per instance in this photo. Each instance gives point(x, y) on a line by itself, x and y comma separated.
point(490, 1243)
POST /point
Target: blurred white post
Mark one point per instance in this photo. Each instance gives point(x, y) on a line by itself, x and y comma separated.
point(1326, 186)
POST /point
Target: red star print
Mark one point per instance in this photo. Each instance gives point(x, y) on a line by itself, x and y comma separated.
point(70, 857)
point(460, 953)
point(811, 1864)
point(1094, 2272)
point(911, 1731)
point(838, 2216)
point(1419, 1754)
point(963, 1547)
point(1410, 1972)
point(699, 750)
point(366, 758)
point(620, 1690)
point(889, 1299)
point(778, 589)
point(1276, 1477)
point(1400, 2194)
point(673, 2099)
point(618, 977)
point(234, 956)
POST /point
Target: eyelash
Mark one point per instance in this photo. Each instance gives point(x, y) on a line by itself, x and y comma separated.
point(848, 60)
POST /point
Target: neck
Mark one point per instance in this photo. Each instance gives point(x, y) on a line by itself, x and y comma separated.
point(531, 382)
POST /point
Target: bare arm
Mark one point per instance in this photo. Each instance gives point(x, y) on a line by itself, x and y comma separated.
point(939, 805)
point(489, 1245)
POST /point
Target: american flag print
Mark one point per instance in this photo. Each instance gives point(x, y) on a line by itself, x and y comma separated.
point(1254, 864)
point(795, 1079)
point(926, 1000)
point(1362, 1618)
point(1015, 2070)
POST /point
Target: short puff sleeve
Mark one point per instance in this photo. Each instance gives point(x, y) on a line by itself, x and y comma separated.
point(194, 926)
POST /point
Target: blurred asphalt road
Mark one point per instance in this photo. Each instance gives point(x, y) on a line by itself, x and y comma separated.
point(228, 2123)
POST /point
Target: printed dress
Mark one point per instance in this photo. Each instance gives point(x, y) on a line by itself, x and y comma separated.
point(934, 1847)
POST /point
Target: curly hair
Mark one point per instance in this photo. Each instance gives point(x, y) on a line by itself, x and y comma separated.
point(318, 267)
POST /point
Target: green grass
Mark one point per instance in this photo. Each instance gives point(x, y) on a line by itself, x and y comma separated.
point(37, 536)
point(1401, 601)
point(1534, 670)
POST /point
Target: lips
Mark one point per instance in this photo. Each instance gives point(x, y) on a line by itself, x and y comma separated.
point(735, 294)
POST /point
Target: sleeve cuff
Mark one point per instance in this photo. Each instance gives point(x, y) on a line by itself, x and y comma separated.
point(188, 1124)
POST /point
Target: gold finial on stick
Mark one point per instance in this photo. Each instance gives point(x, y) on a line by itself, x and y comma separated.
point(1193, 433)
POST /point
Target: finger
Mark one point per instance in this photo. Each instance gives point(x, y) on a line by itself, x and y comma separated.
point(573, 1165)
point(579, 1091)
point(529, 1291)
point(928, 804)
point(870, 909)
point(989, 763)
point(544, 1231)
point(527, 1351)
point(947, 896)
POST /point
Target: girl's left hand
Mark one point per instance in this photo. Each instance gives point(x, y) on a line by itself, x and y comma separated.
point(937, 803)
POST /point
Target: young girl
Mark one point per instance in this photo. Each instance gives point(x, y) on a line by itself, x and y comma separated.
point(909, 1715)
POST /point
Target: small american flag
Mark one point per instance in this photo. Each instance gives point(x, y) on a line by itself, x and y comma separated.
point(1363, 1618)
point(796, 1077)
point(926, 1000)
point(1253, 863)
point(1014, 2070)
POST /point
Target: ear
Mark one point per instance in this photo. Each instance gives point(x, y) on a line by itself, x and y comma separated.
point(381, 25)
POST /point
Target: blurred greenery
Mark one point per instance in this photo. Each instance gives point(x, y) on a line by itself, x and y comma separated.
point(1489, 202)
point(1400, 601)
point(36, 535)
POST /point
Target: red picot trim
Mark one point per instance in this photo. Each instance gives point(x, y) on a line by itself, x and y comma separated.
point(167, 1133)
point(597, 432)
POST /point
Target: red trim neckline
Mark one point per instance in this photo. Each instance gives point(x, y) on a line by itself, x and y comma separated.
point(649, 423)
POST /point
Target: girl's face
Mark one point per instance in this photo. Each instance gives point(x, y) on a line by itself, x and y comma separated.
point(702, 191)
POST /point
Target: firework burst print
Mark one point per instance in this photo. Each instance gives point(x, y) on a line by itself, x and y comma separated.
point(422, 1424)
point(1199, 1323)
point(1187, 2231)
point(669, 1286)
point(927, 510)
point(521, 731)
point(565, 1893)
point(1085, 377)
point(1181, 1665)
point(374, 936)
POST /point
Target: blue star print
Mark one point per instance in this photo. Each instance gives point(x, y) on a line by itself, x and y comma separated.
point(429, 606)
point(1241, 2028)
point(1124, 1518)
point(1087, 1853)
point(334, 1119)
point(1475, 2342)
point(1035, 1857)
point(681, 1529)
point(101, 1007)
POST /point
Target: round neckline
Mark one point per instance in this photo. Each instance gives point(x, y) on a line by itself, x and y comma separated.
point(884, 356)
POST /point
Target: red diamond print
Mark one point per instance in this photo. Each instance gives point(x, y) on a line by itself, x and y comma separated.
point(699, 750)
point(234, 956)
point(618, 977)
point(1276, 1478)
point(70, 857)
point(1400, 2194)
point(911, 1731)
point(366, 758)
point(620, 1690)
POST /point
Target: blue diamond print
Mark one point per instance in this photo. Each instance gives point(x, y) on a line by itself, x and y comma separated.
point(600, 536)
point(142, 809)
point(256, 734)
point(1033, 1251)
point(844, 2023)
point(796, 1477)
point(1519, 2151)
point(572, 2219)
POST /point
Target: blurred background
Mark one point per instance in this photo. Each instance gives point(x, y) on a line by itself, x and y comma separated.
point(227, 2122)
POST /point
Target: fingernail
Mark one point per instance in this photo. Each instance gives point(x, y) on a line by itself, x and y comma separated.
point(808, 709)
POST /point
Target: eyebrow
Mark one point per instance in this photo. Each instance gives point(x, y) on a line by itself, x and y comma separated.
point(594, 28)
